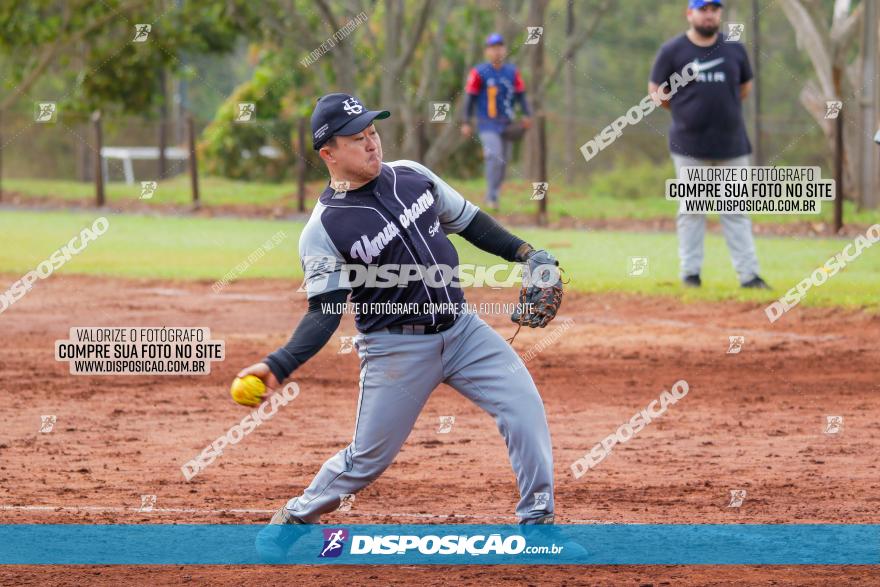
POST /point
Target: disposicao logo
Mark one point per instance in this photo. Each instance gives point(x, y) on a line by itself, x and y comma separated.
point(334, 540)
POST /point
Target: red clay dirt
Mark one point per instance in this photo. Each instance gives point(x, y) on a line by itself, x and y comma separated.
point(752, 421)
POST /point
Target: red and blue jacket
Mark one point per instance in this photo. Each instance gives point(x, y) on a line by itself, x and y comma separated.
point(492, 93)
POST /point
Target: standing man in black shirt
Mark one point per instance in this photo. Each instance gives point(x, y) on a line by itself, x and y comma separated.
point(708, 130)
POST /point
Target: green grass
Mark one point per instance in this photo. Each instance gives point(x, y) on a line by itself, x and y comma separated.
point(632, 193)
point(189, 248)
point(602, 200)
point(214, 191)
point(149, 246)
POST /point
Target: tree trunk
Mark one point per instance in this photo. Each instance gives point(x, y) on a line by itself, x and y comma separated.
point(1, 155)
point(400, 48)
point(828, 49)
point(100, 199)
point(533, 153)
point(163, 125)
point(450, 138)
point(570, 103)
point(870, 103)
point(757, 90)
point(419, 125)
point(84, 163)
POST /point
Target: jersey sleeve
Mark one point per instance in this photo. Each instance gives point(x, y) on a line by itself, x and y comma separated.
point(745, 72)
point(322, 262)
point(454, 211)
point(518, 84)
point(663, 67)
point(474, 82)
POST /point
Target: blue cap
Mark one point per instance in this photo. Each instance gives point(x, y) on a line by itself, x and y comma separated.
point(494, 39)
point(695, 4)
point(341, 114)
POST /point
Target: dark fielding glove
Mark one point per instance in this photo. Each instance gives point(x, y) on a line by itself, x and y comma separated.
point(541, 293)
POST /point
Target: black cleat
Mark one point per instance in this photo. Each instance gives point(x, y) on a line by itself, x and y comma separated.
point(756, 283)
point(692, 281)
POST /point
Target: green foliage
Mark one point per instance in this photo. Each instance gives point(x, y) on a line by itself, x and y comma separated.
point(231, 149)
point(94, 39)
point(632, 182)
point(95, 65)
point(280, 89)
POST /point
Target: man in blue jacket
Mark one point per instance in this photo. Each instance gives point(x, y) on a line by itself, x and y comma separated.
point(492, 90)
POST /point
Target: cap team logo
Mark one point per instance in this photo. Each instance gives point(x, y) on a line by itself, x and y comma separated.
point(352, 107)
point(334, 541)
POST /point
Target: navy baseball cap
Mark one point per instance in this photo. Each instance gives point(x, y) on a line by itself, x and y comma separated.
point(494, 39)
point(341, 114)
point(696, 4)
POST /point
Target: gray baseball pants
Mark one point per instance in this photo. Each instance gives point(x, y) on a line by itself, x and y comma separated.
point(398, 374)
point(496, 154)
point(737, 228)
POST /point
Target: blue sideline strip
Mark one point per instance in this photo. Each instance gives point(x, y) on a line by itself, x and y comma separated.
point(447, 544)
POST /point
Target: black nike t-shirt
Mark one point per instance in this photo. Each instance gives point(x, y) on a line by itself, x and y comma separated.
point(707, 119)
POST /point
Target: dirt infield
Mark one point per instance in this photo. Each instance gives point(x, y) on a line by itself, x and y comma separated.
point(752, 420)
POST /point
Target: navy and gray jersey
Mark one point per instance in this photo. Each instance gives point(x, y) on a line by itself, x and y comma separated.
point(401, 218)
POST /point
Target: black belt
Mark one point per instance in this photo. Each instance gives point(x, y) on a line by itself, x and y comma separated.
point(419, 328)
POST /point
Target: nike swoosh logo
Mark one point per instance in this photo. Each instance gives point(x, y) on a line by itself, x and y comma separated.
point(707, 65)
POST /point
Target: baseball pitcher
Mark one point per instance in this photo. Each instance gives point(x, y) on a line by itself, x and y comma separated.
point(396, 215)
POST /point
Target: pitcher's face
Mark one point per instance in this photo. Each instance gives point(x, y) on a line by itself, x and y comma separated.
point(356, 157)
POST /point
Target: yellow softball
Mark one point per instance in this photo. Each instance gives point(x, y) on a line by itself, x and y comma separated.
point(248, 390)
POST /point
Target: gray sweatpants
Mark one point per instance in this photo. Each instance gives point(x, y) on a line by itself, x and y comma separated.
point(399, 372)
point(496, 154)
point(737, 228)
